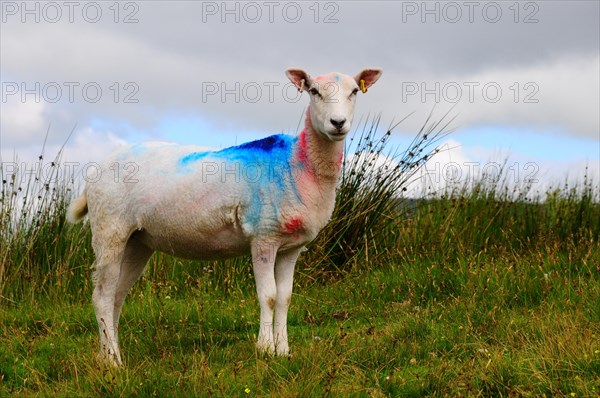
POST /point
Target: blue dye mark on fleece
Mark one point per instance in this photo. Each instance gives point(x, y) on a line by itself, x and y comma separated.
point(273, 150)
point(269, 144)
point(264, 165)
point(192, 157)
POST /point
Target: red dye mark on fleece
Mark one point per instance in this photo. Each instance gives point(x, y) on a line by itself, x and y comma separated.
point(303, 150)
point(303, 157)
point(293, 225)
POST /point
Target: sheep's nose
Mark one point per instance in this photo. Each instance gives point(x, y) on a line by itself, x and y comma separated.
point(337, 123)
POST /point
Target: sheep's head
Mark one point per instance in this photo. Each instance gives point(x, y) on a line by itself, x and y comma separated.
point(332, 98)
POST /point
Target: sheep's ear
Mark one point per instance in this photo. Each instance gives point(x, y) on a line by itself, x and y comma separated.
point(300, 78)
point(367, 78)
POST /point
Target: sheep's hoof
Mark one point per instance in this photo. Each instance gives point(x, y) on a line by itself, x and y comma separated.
point(265, 348)
point(283, 352)
point(109, 360)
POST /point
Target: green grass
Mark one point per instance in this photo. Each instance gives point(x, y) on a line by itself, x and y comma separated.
point(486, 291)
point(401, 330)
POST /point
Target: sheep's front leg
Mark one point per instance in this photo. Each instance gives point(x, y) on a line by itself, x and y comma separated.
point(263, 261)
point(284, 277)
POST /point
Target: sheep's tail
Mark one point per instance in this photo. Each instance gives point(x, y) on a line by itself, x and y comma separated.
point(77, 209)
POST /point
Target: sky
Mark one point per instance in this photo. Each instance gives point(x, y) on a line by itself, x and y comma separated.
point(522, 78)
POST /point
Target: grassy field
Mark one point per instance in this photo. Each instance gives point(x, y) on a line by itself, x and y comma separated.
point(478, 291)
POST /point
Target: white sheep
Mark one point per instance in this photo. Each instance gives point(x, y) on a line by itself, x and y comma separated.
point(267, 198)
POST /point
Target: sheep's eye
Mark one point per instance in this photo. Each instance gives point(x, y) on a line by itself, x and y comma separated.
point(314, 91)
point(354, 92)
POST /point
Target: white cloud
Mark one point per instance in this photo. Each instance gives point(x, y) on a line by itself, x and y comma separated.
point(560, 95)
point(91, 145)
point(448, 167)
point(84, 147)
point(169, 54)
point(565, 93)
point(458, 166)
point(22, 123)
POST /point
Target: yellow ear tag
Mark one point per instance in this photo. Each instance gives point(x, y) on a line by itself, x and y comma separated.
point(362, 86)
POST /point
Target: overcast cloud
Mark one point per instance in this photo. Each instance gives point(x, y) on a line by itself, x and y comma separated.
point(530, 65)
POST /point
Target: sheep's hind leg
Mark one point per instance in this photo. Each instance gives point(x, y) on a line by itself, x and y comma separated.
point(106, 279)
point(133, 264)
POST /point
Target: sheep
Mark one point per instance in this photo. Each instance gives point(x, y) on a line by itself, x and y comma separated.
point(266, 198)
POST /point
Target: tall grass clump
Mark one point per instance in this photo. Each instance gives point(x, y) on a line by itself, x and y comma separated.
point(495, 214)
point(573, 211)
point(39, 253)
point(369, 197)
